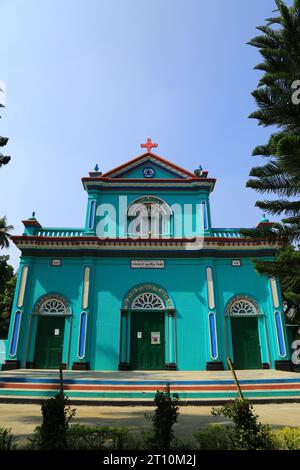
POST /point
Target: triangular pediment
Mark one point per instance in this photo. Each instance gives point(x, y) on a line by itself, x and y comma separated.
point(148, 166)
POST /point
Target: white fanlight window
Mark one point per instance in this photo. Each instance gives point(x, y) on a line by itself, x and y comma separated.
point(53, 306)
point(149, 217)
point(148, 300)
point(243, 307)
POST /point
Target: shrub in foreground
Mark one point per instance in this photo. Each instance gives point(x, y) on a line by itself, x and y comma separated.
point(6, 439)
point(164, 417)
point(247, 432)
point(214, 437)
point(287, 438)
point(82, 437)
point(52, 434)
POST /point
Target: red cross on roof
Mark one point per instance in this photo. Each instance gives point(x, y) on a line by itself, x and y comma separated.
point(149, 145)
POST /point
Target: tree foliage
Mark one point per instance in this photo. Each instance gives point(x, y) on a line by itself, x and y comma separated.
point(4, 232)
point(164, 417)
point(286, 267)
point(4, 159)
point(56, 414)
point(7, 289)
point(279, 46)
point(248, 433)
point(277, 97)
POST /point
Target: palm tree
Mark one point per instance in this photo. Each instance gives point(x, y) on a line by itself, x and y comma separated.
point(279, 46)
point(4, 233)
point(280, 51)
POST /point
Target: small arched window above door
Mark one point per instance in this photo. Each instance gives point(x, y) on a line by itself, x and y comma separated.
point(52, 304)
point(242, 306)
point(148, 300)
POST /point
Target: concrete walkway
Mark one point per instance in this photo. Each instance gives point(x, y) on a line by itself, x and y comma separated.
point(22, 419)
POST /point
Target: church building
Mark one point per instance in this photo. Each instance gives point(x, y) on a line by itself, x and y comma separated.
point(147, 283)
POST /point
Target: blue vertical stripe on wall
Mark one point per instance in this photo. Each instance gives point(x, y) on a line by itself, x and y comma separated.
point(280, 334)
point(204, 214)
point(92, 215)
point(82, 333)
point(15, 335)
point(213, 336)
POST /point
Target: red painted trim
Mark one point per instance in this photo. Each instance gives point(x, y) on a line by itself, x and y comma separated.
point(149, 188)
point(110, 240)
point(149, 180)
point(154, 156)
point(265, 224)
point(31, 223)
point(236, 240)
point(132, 388)
point(217, 240)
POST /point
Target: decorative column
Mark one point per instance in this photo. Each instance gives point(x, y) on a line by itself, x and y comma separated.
point(124, 363)
point(278, 320)
point(213, 363)
point(13, 342)
point(171, 354)
point(82, 363)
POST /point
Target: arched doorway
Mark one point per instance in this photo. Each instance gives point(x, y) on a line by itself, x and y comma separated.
point(246, 349)
point(148, 330)
point(51, 311)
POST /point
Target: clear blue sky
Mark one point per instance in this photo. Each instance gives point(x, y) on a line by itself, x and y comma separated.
point(88, 80)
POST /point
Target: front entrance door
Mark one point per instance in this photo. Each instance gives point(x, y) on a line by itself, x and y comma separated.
point(246, 347)
point(147, 340)
point(49, 341)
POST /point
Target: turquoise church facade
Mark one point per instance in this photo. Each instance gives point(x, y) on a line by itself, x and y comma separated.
point(146, 284)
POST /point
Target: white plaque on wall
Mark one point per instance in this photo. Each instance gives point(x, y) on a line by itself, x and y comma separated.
point(236, 263)
point(147, 264)
point(56, 262)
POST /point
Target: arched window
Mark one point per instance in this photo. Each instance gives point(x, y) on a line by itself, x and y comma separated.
point(53, 305)
point(148, 300)
point(242, 307)
point(149, 217)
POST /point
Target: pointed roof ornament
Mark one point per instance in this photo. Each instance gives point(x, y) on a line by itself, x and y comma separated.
point(96, 172)
point(198, 171)
point(31, 222)
point(264, 222)
point(264, 219)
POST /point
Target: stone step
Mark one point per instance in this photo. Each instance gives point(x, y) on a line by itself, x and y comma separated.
point(141, 386)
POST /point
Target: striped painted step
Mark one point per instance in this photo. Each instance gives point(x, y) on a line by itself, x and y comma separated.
point(135, 387)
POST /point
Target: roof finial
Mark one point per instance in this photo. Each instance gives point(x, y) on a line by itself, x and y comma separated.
point(264, 219)
point(33, 214)
point(198, 171)
point(149, 145)
point(96, 167)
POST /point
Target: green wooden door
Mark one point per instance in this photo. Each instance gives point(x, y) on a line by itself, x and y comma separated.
point(49, 341)
point(245, 340)
point(147, 340)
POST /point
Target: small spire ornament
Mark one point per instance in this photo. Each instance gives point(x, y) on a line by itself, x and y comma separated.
point(198, 171)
